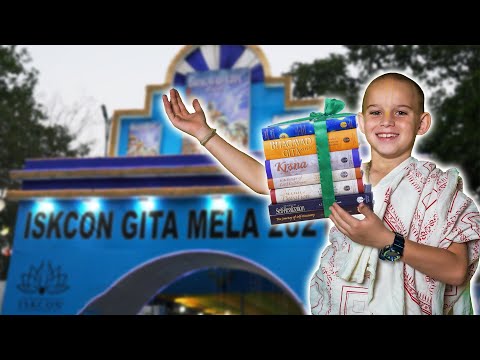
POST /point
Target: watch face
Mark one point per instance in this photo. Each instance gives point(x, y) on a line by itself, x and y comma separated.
point(391, 255)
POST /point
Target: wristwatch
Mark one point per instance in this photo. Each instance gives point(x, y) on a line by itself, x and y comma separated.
point(395, 251)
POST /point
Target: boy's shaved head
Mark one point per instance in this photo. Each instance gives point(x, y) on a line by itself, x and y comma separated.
point(399, 77)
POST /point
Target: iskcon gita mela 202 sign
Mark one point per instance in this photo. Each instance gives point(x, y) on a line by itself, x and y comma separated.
point(105, 235)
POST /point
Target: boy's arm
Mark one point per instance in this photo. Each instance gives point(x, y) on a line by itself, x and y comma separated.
point(449, 266)
point(446, 265)
point(242, 166)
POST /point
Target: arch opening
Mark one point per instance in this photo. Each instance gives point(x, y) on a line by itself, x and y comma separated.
point(143, 284)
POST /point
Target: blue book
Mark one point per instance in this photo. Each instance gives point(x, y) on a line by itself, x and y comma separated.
point(309, 215)
point(348, 202)
point(306, 128)
point(307, 210)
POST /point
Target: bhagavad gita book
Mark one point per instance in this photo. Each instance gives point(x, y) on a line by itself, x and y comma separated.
point(306, 145)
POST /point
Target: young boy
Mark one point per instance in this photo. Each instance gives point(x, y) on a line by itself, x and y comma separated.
point(418, 250)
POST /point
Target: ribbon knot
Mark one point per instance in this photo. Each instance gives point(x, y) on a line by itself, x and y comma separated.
point(332, 107)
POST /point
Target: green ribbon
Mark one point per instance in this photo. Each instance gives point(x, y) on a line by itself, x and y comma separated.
point(331, 110)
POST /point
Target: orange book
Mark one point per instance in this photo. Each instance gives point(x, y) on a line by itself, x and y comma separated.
point(307, 145)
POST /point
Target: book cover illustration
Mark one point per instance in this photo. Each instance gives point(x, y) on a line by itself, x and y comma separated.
point(144, 139)
point(225, 98)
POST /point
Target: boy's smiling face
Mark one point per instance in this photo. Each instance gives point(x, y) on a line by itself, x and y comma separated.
point(392, 118)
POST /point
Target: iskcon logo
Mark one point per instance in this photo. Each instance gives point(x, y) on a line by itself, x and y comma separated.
point(44, 279)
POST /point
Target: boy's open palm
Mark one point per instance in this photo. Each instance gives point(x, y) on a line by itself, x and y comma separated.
point(194, 124)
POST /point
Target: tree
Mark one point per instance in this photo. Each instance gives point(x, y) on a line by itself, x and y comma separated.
point(450, 77)
point(451, 74)
point(79, 118)
point(324, 77)
point(456, 131)
point(24, 132)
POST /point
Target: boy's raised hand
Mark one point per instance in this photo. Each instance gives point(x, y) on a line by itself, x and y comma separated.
point(369, 232)
point(194, 124)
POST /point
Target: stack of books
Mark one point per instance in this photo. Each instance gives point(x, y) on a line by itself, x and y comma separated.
point(293, 172)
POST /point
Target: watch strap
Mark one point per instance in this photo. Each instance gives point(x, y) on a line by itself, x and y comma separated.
point(397, 247)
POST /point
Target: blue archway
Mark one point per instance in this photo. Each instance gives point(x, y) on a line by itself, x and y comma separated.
point(135, 289)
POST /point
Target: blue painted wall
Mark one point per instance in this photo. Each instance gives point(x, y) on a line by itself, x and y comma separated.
point(53, 274)
point(266, 102)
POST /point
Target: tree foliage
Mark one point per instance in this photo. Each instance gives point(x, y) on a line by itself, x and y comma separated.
point(449, 75)
point(324, 77)
point(24, 129)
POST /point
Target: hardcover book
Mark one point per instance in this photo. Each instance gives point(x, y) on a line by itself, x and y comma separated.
point(315, 191)
point(307, 128)
point(299, 165)
point(312, 209)
point(314, 178)
point(296, 207)
point(306, 145)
